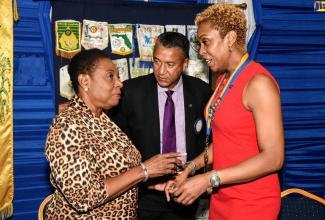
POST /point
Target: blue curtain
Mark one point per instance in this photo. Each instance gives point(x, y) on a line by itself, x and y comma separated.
point(289, 41)
point(46, 30)
point(33, 106)
point(292, 47)
point(290, 44)
point(253, 43)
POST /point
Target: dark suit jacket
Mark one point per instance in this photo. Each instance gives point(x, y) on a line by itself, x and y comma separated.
point(138, 115)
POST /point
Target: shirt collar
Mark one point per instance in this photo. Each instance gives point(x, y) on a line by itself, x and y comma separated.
point(177, 88)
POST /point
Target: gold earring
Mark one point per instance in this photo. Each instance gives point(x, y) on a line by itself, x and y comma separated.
point(230, 48)
point(86, 89)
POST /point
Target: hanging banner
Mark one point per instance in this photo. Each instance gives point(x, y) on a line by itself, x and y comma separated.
point(66, 89)
point(94, 34)
point(176, 28)
point(194, 46)
point(122, 67)
point(121, 38)
point(67, 36)
point(198, 69)
point(136, 69)
point(6, 122)
point(147, 36)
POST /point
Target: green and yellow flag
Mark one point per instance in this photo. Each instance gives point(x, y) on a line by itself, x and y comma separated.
point(6, 95)
point(68, 33)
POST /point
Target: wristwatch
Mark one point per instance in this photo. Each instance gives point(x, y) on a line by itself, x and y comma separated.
point(215, 179)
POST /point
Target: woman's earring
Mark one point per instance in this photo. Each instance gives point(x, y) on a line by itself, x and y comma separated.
point(230, 48)
point(86, 89)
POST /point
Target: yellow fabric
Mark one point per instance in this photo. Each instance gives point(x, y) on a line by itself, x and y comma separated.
point(6, 122)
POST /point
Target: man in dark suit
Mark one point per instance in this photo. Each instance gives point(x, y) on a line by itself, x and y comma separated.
point(141, 111)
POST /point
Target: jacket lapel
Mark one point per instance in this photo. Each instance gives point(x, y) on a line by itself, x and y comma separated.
point(189, 107)
point(153, 110)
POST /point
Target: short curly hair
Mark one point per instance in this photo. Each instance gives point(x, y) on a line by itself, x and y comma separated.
point(85, 62)
point(224, 18)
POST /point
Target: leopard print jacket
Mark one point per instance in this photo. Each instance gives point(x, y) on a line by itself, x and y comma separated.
point(82, 150)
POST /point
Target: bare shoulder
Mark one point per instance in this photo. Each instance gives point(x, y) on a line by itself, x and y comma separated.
point(260, 89)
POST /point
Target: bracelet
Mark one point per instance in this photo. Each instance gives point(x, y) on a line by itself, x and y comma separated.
point(192, 168)
point(146, 175)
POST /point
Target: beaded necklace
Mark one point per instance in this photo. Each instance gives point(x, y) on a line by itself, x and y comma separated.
point(216, 99)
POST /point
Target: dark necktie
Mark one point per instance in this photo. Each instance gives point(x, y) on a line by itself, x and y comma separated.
point(169, 130)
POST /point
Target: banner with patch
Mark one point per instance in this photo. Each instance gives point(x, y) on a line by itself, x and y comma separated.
point(121, 38)
point(122, 67)
point(176, 28)
point(66, 89)
point(147, 36)
point(136, 69)
point(94, 34)
point(67, 36)
point(194, 45)
point(198, 69)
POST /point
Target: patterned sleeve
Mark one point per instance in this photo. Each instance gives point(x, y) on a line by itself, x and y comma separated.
point(71, 167)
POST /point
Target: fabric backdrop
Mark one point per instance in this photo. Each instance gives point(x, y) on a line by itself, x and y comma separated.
point(288, 40)
point(291, 46)
point(6, 123)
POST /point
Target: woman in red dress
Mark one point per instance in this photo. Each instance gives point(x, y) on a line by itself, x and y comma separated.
point(245, 119)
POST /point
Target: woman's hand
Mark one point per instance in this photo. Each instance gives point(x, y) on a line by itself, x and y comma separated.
point(158, 186)
point(172, 185)
point(162, 164)
point(191, 189)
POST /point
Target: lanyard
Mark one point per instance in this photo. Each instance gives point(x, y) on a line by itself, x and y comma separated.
point(210, 110)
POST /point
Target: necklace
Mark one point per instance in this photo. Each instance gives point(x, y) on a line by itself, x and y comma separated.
point(216, 99)
point(216, 102)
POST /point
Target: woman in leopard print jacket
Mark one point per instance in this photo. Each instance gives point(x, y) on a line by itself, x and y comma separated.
point(95, 168)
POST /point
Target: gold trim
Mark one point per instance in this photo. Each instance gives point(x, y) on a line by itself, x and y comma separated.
point(241, 6)
point(15, 12)
point(304, 193)
point(43, 204)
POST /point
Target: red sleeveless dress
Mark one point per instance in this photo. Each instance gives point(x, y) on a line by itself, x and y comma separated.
point(234, 140)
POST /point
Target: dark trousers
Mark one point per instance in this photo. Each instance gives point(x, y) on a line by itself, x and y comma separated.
point(153, 205)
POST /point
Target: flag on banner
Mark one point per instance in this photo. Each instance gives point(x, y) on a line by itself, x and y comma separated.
point(67, 35)
point(6, 95)
point(121, 38)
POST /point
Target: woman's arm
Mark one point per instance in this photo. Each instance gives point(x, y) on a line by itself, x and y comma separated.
point(71, 173)
point(158, 165)
point(262, 98)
